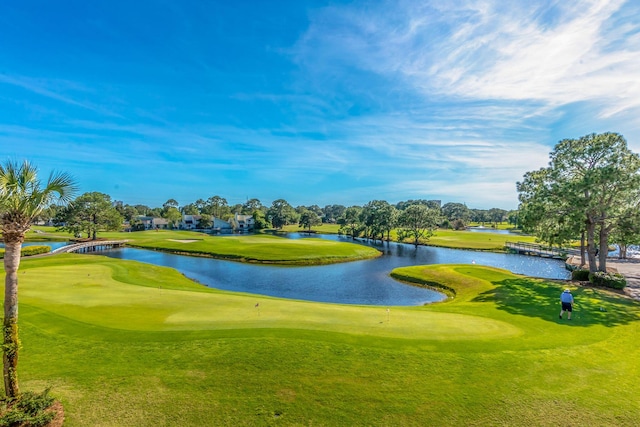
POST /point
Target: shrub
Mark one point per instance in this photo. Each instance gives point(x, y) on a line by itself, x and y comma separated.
point(608, 280)
point(28, 409)
point(30, 250)
point(580, 275)
point(458, 224)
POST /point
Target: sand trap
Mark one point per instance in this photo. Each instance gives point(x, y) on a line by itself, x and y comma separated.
point(182, 240)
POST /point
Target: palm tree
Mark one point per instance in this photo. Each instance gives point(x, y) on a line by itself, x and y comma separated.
point(21, 200)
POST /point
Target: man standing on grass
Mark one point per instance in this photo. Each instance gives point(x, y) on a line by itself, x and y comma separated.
point(567, 303)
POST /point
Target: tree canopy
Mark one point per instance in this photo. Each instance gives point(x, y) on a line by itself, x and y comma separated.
point(590, 183)
point(89, 214)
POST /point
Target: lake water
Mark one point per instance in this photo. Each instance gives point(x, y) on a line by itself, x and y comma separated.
point(359, 282)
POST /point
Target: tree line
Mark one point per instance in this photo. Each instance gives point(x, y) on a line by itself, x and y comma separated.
point(93, 212)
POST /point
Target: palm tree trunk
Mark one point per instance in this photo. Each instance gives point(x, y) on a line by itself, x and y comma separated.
point(10, 324)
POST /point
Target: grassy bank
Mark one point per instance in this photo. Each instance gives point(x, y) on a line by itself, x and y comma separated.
point(125, 343)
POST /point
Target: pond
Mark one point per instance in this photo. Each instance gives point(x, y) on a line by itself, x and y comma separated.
point(360, 282)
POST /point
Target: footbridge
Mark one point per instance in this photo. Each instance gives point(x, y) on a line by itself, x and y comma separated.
point(535, 250)
point(90, 246)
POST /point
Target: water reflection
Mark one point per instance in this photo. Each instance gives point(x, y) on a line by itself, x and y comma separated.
point(360, 282)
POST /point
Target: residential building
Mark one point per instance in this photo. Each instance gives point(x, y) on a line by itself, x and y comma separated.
point(242, 223)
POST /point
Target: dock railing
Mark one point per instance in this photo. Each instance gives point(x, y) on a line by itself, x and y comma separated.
point(535, 249)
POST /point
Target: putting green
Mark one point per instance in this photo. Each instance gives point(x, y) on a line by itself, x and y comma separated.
point(99, 295)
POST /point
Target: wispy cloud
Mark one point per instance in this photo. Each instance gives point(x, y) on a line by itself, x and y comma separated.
point(67, 92)
point(555, 53)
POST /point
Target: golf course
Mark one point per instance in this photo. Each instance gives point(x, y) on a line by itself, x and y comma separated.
point(126, 343)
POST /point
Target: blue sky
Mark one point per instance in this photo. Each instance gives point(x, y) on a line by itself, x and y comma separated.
point(316, 102)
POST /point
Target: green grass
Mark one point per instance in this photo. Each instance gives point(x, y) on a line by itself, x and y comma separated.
point(261, 248)
point(125, 343)
point(258, 248)
point(476, 240)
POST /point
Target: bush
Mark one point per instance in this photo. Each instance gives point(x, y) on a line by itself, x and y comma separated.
point(608, 280)
point(580, 275)
point(28, 409)
point(30, 250)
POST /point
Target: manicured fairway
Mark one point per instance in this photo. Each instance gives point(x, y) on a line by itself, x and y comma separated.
point(258, 248)
point(125, 343)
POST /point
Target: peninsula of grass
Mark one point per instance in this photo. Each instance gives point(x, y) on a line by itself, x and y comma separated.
point(256, 248)
point(126, 343)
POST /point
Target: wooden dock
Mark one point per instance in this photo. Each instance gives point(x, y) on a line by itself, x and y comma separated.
point(534, 249)
point(90, 246)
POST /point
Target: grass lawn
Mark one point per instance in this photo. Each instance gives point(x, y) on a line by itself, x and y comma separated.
point(262, 248)
point(259, 248)
point(125, 343)
point(476, 240)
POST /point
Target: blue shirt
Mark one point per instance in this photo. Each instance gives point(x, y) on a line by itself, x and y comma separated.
point(566, 297)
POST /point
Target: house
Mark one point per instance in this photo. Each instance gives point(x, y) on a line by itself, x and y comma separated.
point(242, 223)
point(189, 222)
point(222, 227)
point(152, 223)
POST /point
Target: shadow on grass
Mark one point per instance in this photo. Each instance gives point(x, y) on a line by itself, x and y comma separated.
point(536, 298)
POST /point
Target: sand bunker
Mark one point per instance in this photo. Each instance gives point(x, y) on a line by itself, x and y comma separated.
point(182, 240)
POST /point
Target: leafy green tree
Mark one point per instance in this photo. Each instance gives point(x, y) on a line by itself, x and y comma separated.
point(308, 219)
point(496, 215)
point(627, 231)
point(378, 218)
point(260, 221)
point(205, 221)
point(190, 209)
point(594, 178)
point(171, 203)
point(480, 216)
point(218, 207)
point(433, 204)
point(250, 206)
point(200, 205)
point(350, 222)
point(331, 213)
point(142, 209)
point(172, 215)
point(236, 209)
point(512, 218)
point(417, 222)
point(22, 198)
point(90, 213)
point(453, 211)
point(282, 213)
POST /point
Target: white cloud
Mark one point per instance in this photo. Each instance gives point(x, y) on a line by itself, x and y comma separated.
point(553, 52)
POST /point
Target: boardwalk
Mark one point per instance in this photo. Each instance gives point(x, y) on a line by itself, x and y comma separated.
point(535, 250)
point(92, 246)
